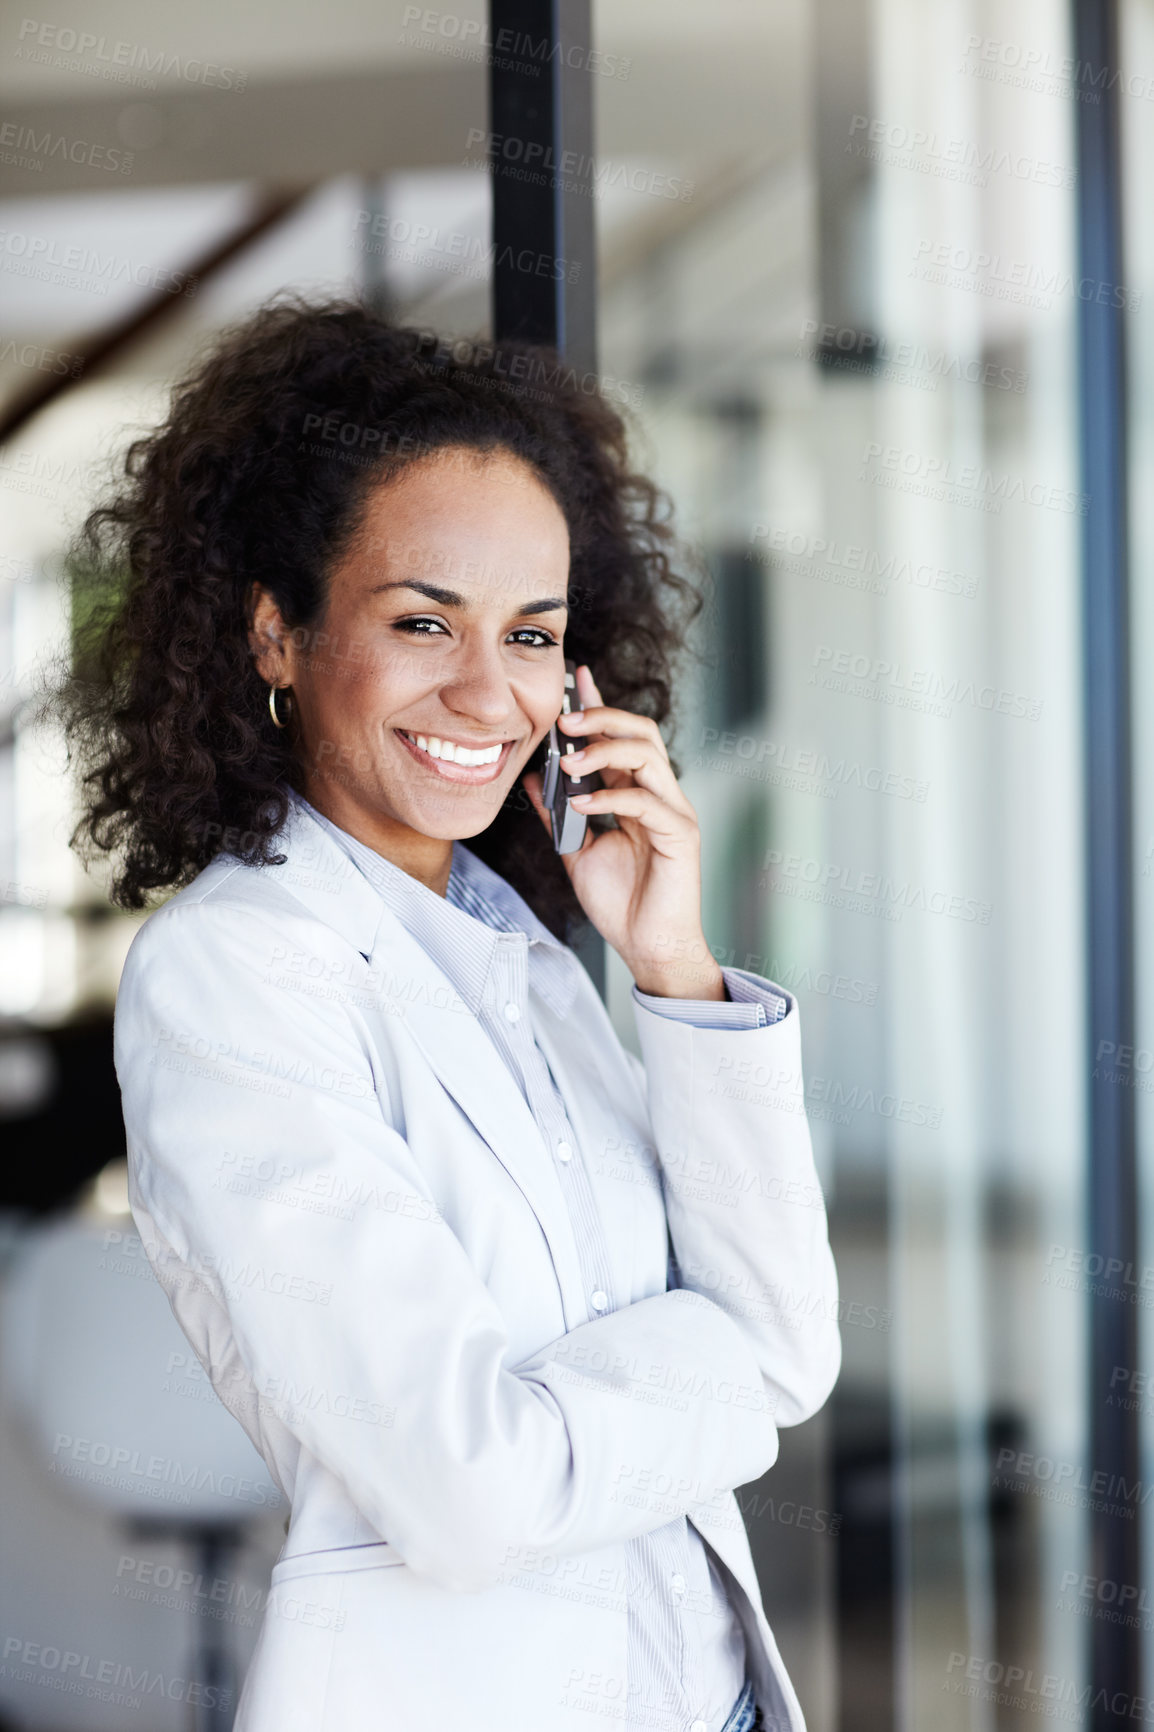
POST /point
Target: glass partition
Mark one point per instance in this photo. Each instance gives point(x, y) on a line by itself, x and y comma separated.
point(854, 344)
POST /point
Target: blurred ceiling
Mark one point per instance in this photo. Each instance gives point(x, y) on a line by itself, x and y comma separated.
point(225, 93)
point(133, 140)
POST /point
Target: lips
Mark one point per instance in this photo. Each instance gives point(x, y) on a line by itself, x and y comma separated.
point(450, 771)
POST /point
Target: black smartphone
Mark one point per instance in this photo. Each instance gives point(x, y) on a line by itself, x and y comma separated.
point(569, 825)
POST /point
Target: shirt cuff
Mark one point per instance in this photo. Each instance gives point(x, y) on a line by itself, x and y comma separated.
point(753, 1002)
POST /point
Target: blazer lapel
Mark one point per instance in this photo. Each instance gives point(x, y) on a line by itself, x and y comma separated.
point(458, 1050)
point(468, 1065)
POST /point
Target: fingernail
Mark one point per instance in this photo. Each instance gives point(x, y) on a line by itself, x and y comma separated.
point(579, 799)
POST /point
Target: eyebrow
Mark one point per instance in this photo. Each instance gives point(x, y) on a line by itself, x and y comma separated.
point(450, 597)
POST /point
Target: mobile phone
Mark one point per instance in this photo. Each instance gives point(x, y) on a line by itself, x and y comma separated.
point(569, 825)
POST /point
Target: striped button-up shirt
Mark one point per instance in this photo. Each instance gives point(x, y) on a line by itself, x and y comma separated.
point(686, 1648)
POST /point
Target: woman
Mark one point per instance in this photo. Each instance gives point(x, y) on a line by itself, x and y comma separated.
point(507, 1312)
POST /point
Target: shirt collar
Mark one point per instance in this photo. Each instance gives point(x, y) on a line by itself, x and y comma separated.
point(462, 929)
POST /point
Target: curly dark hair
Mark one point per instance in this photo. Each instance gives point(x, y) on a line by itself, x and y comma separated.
point(254, 477)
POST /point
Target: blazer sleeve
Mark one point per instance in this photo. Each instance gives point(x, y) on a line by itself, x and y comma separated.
point(747, 1221)
point(223, 1072)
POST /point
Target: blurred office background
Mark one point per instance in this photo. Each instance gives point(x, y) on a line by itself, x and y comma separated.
point(838, 289)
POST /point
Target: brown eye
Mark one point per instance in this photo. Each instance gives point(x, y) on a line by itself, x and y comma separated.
point(414, 627)
point(545, 640)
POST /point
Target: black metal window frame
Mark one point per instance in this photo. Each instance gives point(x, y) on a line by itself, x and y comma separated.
point(544, 259)
point(1112, 1175)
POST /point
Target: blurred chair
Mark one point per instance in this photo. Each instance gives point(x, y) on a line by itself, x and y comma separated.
point(116, 1406)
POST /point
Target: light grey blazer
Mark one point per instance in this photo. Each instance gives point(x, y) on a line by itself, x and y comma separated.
point(346, 1198)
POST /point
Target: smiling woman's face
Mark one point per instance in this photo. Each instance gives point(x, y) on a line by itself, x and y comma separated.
point(437, 665)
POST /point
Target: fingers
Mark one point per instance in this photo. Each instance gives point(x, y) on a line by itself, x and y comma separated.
point(587, 689)
point(668, 830)
point(629, 756)
point(628, 745)
point(602, 719)
point(599, 718)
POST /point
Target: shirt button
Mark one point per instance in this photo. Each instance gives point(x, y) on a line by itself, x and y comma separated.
point(564, 1152)
point(599, 1300)
point(677, 1582)
point(512, 1012)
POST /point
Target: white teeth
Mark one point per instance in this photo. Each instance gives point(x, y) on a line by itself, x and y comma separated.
point(453, 753)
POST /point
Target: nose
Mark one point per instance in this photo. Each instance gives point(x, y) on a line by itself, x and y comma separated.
point(477, 687)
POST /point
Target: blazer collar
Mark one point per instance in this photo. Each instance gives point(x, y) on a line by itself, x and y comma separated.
point(461, 931)
point(321, 875)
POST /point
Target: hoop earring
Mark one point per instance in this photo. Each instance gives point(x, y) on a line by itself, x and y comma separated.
point(272, 692)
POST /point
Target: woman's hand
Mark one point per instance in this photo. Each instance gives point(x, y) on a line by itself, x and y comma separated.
point(640, 884)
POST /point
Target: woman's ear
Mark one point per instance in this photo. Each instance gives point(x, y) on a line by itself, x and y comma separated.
point(267, 636)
